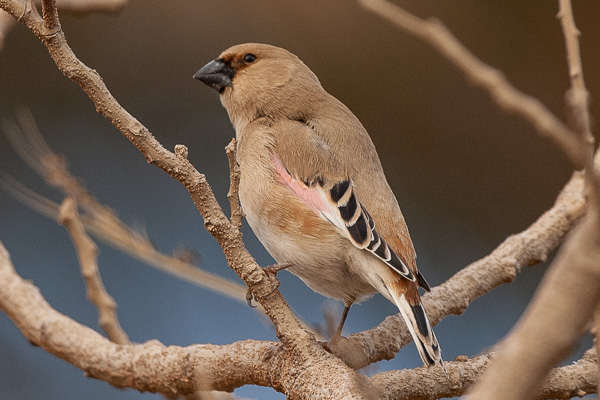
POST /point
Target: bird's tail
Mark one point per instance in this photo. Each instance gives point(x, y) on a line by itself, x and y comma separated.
point(420, 329)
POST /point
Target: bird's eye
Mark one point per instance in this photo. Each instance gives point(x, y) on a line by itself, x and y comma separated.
point(249, 58)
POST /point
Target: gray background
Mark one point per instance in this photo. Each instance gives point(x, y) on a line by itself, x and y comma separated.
point(465, 173)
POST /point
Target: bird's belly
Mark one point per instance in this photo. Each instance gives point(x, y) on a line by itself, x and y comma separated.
point(317, 252)
point(323, 269)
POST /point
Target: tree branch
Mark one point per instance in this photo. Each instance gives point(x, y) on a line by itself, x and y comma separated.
point(171, 370)
point(50, 15)
point(72, 6)
point(234, 185)
point(103, 222)
point(555, 320)
point(88, 261)
point(563, 306)
point(453, 297)
point(577, 379)
point(175, 370)
point(577, 97)
point(480, 74)
point(147, 367)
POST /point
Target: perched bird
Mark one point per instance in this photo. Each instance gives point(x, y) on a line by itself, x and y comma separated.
point(312, 186)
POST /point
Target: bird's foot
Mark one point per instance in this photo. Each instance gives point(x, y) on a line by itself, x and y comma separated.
point(271, 271)
point(335, 345)
point(335, 338)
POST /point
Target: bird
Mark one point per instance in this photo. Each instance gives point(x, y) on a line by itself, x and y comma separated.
point(312, 186)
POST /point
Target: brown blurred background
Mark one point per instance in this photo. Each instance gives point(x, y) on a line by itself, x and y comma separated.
point(466, 174)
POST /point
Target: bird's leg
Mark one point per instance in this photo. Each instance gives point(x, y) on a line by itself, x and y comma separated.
point(338, 331)
point(271, 272)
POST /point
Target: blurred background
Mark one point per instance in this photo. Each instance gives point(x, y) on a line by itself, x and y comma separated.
point(465, 173)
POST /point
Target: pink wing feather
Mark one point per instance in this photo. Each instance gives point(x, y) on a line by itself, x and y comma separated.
point(339, 205)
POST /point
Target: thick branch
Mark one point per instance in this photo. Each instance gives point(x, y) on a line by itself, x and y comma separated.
point(170, 370)
point(50, 15)
point(176, 370)
point(147, 367)
point(577, 379)
point(555, 320)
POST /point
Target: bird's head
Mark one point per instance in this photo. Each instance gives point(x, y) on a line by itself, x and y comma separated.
point(257, 80)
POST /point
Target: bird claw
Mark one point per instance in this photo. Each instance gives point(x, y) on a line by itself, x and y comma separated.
point(271, 272)
point(249, 298)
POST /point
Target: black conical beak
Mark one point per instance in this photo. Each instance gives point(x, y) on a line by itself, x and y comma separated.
point(217, 74)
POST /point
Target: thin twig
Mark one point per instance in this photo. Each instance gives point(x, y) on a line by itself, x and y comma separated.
point(78, 7)
point(577, 98)
point(234, 185)
point(87, 252)
point(29, 143)
point(571, 35)
point(50, 15)
point(110, 229)
point(31, 199)
point(481, 74)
